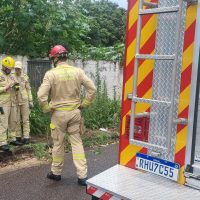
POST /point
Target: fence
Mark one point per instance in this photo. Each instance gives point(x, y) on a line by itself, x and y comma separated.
point(36, 71)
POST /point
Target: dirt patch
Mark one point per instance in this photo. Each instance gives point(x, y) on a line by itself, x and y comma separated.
point(25, 163)
point(42, 138)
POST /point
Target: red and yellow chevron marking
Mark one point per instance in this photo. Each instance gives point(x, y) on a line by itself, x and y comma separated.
point(128, 152)
point(181, 137)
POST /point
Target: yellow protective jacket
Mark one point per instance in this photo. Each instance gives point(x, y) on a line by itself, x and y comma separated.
point(10, 94)
point(24, 94)
point(65, 82)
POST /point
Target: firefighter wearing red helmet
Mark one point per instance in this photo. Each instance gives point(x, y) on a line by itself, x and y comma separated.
point(64, 82)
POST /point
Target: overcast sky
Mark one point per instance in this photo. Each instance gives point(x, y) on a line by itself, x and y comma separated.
point(121, 3)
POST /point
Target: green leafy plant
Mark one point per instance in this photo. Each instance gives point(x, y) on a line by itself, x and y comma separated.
point(104, 112)
point(40, 150)
point(39, 122)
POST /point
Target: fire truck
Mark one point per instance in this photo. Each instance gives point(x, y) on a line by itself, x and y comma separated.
point(159, 148)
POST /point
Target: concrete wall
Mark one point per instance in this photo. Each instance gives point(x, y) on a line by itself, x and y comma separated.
point(111, 72)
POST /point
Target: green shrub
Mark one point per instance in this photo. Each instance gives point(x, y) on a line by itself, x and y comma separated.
point(39, 122)
point(104, 112)
point(112, 53)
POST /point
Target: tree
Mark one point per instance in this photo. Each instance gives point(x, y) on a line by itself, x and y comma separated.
point(31, 27)
point(108, 22)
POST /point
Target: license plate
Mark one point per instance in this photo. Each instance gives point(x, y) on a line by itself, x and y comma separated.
point(157, 166)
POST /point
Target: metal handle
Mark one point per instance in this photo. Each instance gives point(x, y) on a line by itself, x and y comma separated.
point(181, 121)
point(150, 4)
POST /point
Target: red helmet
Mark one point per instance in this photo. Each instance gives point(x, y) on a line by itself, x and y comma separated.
point(57, 50)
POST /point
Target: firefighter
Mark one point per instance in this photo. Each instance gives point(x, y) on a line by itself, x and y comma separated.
point(64, 82)
point(8, 87)
point(24, 103)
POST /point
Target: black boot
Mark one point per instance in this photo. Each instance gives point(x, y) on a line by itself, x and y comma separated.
point(54, 177)
point(18, 139)
point(26, 141)
point(4, 148)
point(16, 143)
point(82, 181)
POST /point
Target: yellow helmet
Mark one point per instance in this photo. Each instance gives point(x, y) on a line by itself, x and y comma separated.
point(8, 62)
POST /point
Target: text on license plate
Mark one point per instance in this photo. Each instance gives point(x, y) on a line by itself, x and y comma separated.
point(157, 166)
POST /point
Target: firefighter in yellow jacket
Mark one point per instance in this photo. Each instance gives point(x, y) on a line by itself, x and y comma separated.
point(64, 82)
point(24, 103)
point(8, 87)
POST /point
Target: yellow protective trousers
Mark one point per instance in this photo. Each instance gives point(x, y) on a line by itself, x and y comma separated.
point(62, 122)
point(23, 112)
point(8, 119)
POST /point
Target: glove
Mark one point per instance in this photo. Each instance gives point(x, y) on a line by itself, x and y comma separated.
point(31, 106)
point(10, 85)
point(16, 86)
point(1, 110)
point(80, 107)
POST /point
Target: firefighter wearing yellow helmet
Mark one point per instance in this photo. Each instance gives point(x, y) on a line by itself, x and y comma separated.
point(24, 103)
point(64, 82)
point(8, 87)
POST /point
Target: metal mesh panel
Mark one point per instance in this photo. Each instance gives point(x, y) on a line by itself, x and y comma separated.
point(167, 3)
point(37, 70)
point(162, 81)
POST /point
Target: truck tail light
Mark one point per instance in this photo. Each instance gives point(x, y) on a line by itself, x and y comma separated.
point(141, 128)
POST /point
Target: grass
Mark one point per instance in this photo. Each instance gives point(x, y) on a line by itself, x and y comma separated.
point(99, 138)
point(39, 150)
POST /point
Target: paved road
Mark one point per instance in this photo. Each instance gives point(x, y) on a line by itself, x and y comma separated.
point(31, 183)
